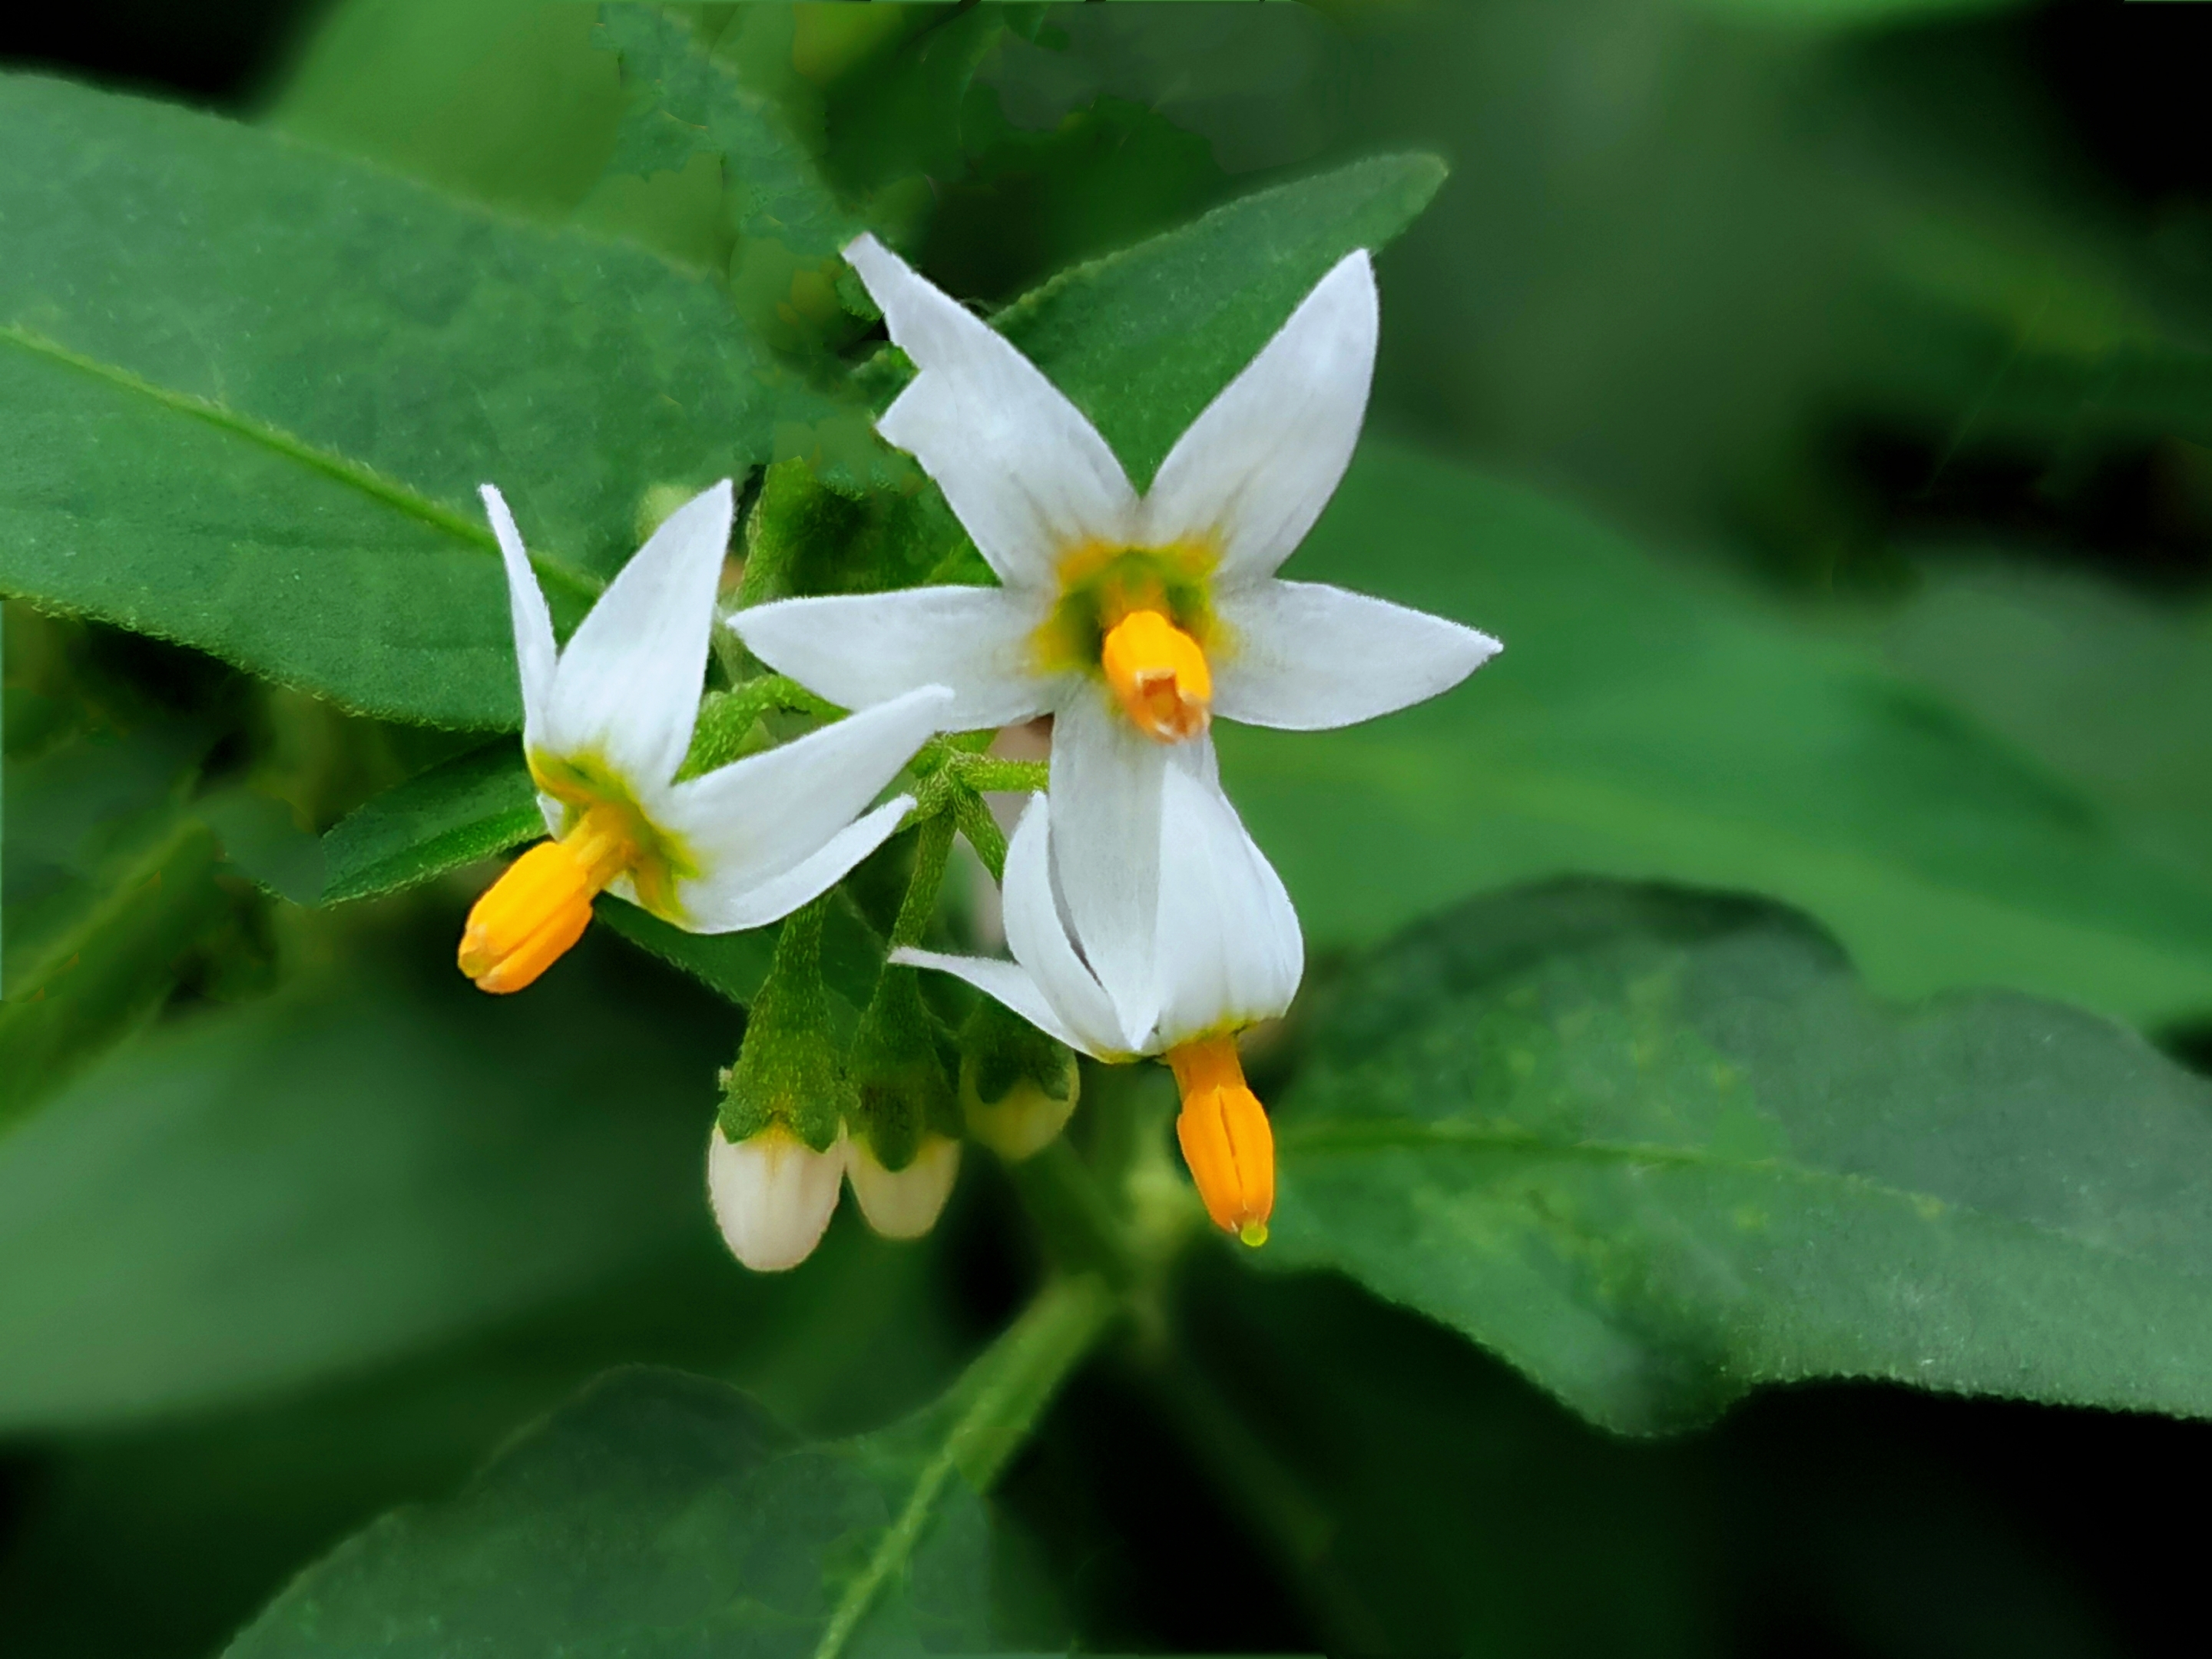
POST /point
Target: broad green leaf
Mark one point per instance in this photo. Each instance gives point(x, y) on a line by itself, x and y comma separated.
point(1656, 1148)
point(659, 1514)
point(109, 883)
point(468, 808)
point(665, 1514)
point(267, 382)
point(1143, 340)
point(354, 1170)
point(1643, 723)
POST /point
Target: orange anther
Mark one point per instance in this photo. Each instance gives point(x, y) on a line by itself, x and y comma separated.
point(1159, 673)
point(539, 906)
point(1224, 1137)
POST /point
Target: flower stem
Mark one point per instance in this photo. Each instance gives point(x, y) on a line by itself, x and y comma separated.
point(933, 847)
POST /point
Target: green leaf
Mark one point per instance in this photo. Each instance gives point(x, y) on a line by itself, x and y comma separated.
point(1643, 723)
point(656, 1514)
point(1656, 1148)
point(665, 1514)
point(254, 1197)
point(1142, 340)
point(267, 382)
point(468, 808)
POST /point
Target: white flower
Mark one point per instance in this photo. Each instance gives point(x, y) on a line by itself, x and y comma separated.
point(1132, 619)
point(606, 723)
point(1225, 953)
point(773, 1195)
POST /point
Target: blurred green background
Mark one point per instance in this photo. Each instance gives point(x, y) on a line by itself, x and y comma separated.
point(1884, 327)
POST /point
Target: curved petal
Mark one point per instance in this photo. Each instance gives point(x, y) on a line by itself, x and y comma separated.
point(1230, 952)
point(772, 1195)
point(759, 816)
point(904, 1203)
point(1038, 938)
point(1028, 474)
point(1255, 469)
point(627, 688)
point(720, 903)
point(859, 649)
point(1106, 843)
point(1306, 657)
point(534, 651)
point(1005, 982)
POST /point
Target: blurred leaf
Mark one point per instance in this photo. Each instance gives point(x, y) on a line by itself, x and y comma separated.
point(656, 1514)
point(350, 1171)
point(109, 882)
point(1640, 724)
point(266, 443)
point(468, 808)
point(684, 103)
point(1656, 1148)
point(2106, 689)
point(731, 964)
point(501, 99)
point(1847, 13)
point(1144, 339)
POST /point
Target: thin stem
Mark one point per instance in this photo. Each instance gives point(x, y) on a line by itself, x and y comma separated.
point(982, 832)
point(932, 848)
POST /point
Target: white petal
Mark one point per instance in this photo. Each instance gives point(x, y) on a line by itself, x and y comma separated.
point(761, 815)
point(1028, 476)
point(1230, 952)
point(627, 688)
point(773, 1195)
point(857, 649)
point(1307, 657)
point(1255, 469)
point(1009, 983)
point(721, 904)
point(1106, 844)
point(533, 623)
point(1038, 938)
point(904, 1203)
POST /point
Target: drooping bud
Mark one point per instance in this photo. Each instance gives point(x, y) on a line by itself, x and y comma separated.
point(904, 1203)
point(783, 1110)
point(541, 902)
point(1160, 674)
point(772, 1195)
point(905, 1127)
point(1226, 1138)
point(1017, 1086)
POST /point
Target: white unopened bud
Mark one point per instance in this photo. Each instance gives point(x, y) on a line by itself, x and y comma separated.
point(773, 1195)
point(905, 1203)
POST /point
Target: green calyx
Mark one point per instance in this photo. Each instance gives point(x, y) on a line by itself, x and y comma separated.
point(901, 1092)
point(788, 1074)
point(1017, 1086)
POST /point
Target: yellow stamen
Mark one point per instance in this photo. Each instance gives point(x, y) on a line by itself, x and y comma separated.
point(1159, 673)
point(539, 906)
point(1226, 1138)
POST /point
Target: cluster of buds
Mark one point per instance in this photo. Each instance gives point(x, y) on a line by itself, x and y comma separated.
point(1143, 921)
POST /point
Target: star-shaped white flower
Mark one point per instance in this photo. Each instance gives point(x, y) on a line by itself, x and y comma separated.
point(1131, 619)
point(1223, 952)
point(606, 722)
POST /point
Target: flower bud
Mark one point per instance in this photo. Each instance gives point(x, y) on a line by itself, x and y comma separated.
point(779, 1149)
point(904, 1203)
point(1017, 1086)
point(905, 1127)
point(772, 1195)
